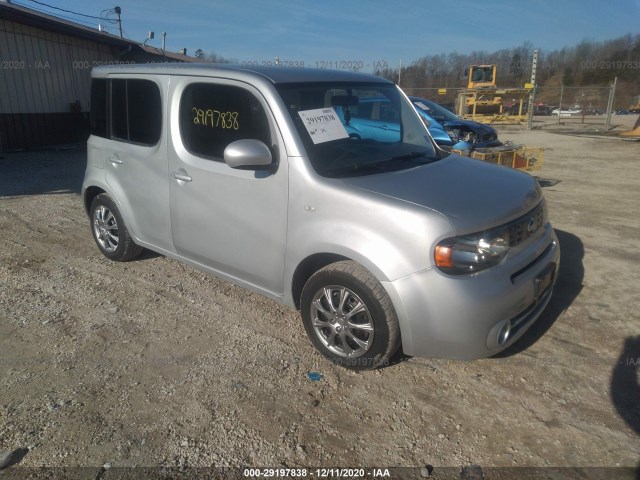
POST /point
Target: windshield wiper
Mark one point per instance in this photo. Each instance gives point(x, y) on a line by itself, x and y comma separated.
point(379, 166)
point(353, 168)
point(408, 156)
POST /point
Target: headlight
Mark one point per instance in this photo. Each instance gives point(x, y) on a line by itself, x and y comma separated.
point(472, 253)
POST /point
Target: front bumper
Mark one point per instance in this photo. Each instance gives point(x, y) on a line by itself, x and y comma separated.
point(462, 317)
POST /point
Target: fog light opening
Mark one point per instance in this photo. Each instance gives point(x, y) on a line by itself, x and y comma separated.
point(504, 333)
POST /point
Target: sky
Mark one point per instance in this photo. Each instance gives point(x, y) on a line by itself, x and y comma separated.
point(373, 33)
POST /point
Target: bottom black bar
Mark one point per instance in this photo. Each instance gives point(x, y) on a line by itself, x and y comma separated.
point(391, 473)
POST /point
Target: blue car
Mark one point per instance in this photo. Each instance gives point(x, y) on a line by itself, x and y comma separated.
point(375, 118)
point(371, 118)
point(447, 129)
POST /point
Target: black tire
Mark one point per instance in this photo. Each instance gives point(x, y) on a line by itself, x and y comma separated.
point(110, 232)
point(339, 335)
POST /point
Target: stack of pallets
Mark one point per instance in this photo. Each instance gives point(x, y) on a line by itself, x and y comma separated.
point(519, 157)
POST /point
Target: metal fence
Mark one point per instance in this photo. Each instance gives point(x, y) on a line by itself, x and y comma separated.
point(574, 105)
point(552, 106)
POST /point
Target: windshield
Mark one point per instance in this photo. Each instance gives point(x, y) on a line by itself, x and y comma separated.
point(351, 129)
point(435, 111)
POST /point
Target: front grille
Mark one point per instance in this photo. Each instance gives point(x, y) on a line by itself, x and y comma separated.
point(523, 318)
point(526, 226)
point(533, 262)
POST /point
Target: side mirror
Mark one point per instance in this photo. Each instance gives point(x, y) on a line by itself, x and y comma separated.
point(247, 154)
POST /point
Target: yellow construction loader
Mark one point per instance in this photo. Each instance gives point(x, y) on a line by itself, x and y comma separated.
point(481, 76)
point(483, 101)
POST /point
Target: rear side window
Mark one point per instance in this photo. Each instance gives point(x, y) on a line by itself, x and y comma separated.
point(213, 116)
point(136, 111)
point(99, 107)
point(376, 108)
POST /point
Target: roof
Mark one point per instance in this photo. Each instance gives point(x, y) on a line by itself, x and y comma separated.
point(48, 22)
point(167, 54)
point(273, 74)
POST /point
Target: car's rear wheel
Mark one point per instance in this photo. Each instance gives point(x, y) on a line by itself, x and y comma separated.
point(110, 232)
point(349, 317)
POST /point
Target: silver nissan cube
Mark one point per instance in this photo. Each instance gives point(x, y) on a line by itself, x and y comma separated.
point(322, 190)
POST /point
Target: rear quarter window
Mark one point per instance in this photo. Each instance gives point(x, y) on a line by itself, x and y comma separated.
point(99, 107)
point(212, 116)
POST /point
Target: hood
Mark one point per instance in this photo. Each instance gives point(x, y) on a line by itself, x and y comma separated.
point(471, 194)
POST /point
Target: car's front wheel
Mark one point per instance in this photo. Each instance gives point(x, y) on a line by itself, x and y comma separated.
point(349, 317)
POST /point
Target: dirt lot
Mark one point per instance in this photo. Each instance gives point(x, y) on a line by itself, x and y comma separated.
point(151, 363)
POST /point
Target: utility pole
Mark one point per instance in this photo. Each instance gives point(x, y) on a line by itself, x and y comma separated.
point(164, 38)
point(118, 10)
point(532, 95)
point(612, 94)
point(560, 106)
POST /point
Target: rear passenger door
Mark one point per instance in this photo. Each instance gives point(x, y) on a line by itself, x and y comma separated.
point(135, 156)
point(232, 221)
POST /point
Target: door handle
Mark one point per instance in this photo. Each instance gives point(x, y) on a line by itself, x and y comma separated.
point(182, 176)
point(115, 160)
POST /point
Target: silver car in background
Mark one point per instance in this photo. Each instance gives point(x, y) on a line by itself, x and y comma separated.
point(381, 240)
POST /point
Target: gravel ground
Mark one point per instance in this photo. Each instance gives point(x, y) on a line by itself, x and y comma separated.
point(151, 363)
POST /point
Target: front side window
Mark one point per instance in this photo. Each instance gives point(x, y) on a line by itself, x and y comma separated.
point(212, 116)
point(136, 111)
point(351, 129)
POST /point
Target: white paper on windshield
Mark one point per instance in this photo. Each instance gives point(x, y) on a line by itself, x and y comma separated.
point(323, 124)
point(423, 106)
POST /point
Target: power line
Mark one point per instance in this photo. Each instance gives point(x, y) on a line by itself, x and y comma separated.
point(101, 18)
point(83, 22)
point(107, 12)
point(67, 11)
